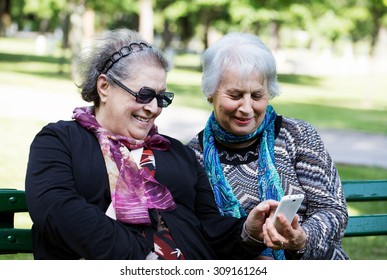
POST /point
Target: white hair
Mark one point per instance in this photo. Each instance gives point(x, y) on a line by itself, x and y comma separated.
point(241, 52)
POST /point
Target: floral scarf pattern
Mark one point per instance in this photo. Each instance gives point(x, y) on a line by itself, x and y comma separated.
point(133, 190)
point(269, 185)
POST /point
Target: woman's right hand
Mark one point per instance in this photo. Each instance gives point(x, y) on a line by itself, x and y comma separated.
point(292, 236)
point(257, 218)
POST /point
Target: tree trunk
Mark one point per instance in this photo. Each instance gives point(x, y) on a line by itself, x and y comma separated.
point(166, 35)
point(5, 16)
point(146, 20)
point(76, 34)
point(275, 41)
point(374, 34)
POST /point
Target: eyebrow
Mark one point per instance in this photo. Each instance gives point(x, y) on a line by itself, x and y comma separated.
point(233, 90)
point(239, 91)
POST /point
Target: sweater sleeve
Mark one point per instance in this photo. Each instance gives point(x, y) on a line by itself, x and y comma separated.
point(326, 216)
point(68, 216)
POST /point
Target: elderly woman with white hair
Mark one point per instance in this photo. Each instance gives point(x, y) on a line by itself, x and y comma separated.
point(251, 154)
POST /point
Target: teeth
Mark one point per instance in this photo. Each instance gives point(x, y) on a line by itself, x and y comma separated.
point(141, 119)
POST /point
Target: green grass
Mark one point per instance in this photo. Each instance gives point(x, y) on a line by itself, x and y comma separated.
point(14, 150)
point(356, 103)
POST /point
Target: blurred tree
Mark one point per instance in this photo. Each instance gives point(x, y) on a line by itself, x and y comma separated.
point(5, 16)
point(146, 19)
point(177, 21)
point(163, 24)
point(76, 18)
point(378, 11)
point(358, 20)
point(253, 15)
point(188, 18)
point(46, 13)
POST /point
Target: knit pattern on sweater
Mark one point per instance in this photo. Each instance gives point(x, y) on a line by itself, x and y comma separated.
point(304, 166)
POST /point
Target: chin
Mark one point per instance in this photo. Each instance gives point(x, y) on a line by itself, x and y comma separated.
point(243, 132)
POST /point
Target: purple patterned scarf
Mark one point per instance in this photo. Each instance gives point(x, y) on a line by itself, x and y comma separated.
point(133, 190)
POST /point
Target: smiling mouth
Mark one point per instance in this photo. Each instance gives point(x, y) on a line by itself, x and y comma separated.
point(242, 121)
point(141, 119)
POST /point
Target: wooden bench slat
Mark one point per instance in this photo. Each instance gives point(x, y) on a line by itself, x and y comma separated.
point(12, 200)
point(15, 241)
point(367, 225)
point(365, 190)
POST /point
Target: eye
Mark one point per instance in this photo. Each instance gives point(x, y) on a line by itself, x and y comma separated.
point(257, 95)
point(234, 94)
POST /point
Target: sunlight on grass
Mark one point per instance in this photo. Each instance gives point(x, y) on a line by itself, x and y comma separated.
point(353, 211)
point(17, 46)
point(14, 150)
point(23, 220)
point(191, 60)
point(184, 77)
point(366, 248)
point(357, 172)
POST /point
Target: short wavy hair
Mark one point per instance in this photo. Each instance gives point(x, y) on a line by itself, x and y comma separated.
point(241, 52)
point(94, 58)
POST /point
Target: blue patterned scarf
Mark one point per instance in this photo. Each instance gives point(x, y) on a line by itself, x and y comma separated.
point(269, 185)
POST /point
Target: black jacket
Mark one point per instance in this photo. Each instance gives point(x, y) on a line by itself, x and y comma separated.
point(68, 193)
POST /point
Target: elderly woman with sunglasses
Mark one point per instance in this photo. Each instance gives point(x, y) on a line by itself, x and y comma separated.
point(251, 154)
point(106, 185)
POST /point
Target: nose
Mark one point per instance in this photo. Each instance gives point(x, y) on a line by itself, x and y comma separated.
point(246, 104)
point(152, 106)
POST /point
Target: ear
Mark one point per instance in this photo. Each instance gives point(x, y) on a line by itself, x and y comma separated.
point(103, 87)
point(210, 99)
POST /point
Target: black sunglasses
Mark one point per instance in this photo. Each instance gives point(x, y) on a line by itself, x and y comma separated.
point(146, 94)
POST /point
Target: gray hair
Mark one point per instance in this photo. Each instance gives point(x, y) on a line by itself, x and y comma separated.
point(242, 52)
point(94, 59)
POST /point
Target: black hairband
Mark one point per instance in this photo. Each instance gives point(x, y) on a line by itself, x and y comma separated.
point(124, 51)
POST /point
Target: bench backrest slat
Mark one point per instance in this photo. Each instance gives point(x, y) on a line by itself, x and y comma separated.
point(365, 190)
point(367, 225)
point(13, 240)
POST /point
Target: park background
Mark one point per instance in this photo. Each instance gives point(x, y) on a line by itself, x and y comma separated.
point(331, 58)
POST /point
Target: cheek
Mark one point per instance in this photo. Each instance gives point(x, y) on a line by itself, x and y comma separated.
point(158, 112)
point(226, 106)
point(260, 107)
point(260, 112)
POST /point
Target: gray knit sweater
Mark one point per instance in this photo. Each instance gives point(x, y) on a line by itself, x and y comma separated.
point(304, 166)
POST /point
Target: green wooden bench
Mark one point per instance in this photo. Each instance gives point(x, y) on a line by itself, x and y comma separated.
point(16, 240)
point(13, 240)
point(366, 191)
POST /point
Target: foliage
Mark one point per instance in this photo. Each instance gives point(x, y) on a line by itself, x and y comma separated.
point(334, 19)
point(44, 9)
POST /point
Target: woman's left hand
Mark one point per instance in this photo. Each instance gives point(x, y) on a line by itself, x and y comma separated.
point(291, 237)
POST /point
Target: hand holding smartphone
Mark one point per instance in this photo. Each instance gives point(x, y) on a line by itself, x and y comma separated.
point(288, 207)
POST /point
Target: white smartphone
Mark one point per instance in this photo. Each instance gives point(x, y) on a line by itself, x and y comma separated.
point(288, 207)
